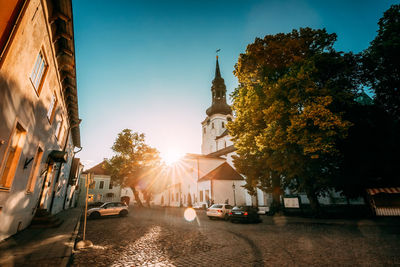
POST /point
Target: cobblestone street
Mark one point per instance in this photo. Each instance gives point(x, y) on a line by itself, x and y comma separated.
point(162, 237)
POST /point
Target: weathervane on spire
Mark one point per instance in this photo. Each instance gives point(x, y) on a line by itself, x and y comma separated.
point(217, 52)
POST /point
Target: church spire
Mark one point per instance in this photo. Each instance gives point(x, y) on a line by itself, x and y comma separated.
point(217, 71)
point(218, 90)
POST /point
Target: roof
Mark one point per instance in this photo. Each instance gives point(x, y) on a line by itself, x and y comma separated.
point(98, 169)
point(222, 152)
point(61, 20)
point(225, 133)
point(222, 172)
point(388, 190)
point(190, 155)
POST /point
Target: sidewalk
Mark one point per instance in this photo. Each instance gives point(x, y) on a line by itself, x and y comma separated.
point(42, 247)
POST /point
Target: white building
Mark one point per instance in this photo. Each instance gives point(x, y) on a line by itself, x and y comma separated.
point(210, 177)
point(101, 189)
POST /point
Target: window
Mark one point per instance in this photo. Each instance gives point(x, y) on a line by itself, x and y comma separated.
point(12, 157)
point(177, 197)
point(223, 124)
point(101, 185)
point(38, 72)
point(58, 129)
point(212, 125)
point(201, 195)
point(52, 108)
point(172, 196)
point(34, 172)
point(110, 186)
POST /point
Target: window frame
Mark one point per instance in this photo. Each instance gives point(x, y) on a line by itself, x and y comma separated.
point(6, 180)
point(53, 106)
point(38, 84)
point(30, 186)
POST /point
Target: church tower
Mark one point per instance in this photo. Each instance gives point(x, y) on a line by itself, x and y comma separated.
point(218, 114)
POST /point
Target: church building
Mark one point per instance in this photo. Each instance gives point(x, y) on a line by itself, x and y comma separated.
point(209, 177)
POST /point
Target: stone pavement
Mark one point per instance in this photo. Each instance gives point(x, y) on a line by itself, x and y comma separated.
point(42, 247)
point(162, 237)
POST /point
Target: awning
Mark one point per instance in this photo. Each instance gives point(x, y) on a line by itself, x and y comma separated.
point(388, 190)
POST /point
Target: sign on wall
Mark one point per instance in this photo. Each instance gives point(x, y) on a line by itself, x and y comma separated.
point(291, 202)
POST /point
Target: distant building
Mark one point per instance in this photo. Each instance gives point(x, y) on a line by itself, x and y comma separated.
point(101, 189)
point(39, 120)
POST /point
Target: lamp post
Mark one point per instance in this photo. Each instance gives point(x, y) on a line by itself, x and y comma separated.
point(234, 195)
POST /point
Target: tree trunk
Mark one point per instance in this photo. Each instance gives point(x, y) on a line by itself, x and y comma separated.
point(314, 203)
point(276, 192)
point(137, 198)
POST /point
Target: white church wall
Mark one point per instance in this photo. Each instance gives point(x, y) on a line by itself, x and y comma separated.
point(211, 128)
point(223, 190)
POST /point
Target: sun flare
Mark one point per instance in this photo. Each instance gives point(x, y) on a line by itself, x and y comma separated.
point(171, 156)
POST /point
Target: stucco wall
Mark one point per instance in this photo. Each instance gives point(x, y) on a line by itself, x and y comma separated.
point(21, 104)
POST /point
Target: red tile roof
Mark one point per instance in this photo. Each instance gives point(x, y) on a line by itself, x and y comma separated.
point(222, 172)
point(98, 169)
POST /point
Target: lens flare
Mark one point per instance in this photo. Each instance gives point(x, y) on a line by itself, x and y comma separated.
point(190, 214)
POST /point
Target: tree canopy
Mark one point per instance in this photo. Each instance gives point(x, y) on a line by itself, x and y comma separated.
point(133, 162)
point(381, 62)
point(293, 91)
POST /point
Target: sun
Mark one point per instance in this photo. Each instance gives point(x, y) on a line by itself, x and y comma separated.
point(171, 156)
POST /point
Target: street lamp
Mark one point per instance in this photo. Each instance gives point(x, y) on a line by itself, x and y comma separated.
point(234, 195)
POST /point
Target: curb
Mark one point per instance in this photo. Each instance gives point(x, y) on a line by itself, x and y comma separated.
point(71, 243)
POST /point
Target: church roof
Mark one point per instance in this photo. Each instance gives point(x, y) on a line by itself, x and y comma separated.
point(222, 172)
point(98, 169)
point(225, 133)
point(218, 89)
point(190, 155)
point(223, 151)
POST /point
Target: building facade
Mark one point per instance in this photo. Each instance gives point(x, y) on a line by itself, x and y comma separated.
point(39, 121)
point(101, 189)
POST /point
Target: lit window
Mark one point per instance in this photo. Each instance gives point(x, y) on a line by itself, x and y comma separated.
point(38, 72)
point(12, 157)
point(52, 108)
point(101, 185)
point(35, 169)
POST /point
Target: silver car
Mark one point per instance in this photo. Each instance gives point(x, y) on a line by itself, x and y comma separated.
point(219, 211)
point(108, 208)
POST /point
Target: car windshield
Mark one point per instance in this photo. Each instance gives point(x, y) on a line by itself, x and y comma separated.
point(215, 206)
point(239, 208)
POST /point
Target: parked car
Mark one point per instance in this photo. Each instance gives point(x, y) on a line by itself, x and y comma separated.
point(94, 204)
point(219, 211)
point(108, 208)
point(245, 214)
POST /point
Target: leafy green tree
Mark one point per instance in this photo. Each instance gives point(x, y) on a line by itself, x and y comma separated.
point(381, 62)
point(293, 89)
point(134, 163)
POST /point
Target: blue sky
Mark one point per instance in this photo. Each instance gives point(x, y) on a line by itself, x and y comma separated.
point(147, 65)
